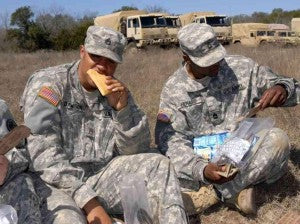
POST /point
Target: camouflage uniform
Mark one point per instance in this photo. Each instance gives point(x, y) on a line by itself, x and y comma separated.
point(81, 148)
point(18, 190)
point(190, 108)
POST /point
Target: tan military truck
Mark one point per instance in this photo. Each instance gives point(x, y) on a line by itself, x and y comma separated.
point(286, 38)
point(295, 26)
point(173, 26)
point(255, 34)
point(138, 26)
point(220, 23)
point(251, 34)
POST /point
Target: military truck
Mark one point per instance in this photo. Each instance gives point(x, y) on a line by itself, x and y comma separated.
point(251, 34)
point(255, 34)
point(220, 23)
point(286, 38)
point(138, 26)
point(295, 26)
point(173, 26)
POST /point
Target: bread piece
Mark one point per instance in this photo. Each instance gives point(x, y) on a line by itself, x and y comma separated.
point(99, 80)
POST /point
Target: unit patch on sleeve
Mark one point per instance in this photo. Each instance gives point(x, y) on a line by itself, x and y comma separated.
point(49, 95)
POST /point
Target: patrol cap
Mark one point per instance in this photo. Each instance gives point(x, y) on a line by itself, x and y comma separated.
point(105, 42)
point(199, 42)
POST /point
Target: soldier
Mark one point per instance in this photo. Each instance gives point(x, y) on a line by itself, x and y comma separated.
point(17, 187)
point(84, 144)
point(206, 96)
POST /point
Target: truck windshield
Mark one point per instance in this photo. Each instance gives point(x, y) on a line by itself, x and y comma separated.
point(173, 22)
point(153, 21)
point(218, 21)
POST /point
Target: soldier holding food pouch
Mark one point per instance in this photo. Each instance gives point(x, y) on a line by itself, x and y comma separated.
point(202, 103)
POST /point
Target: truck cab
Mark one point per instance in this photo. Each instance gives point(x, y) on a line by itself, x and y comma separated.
point(147, 29)
point(221, 25)
point(173, 26)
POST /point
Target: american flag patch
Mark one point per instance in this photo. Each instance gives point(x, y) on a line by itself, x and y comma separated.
point(50, 95)
point(164, 117)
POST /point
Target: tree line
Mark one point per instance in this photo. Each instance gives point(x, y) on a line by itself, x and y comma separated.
point(62, 31)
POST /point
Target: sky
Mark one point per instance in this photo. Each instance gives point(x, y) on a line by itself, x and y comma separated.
point(101, 7)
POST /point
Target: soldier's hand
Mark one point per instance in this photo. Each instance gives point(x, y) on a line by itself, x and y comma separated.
point(3, 168)
point(95, 213)
point(118, 99)
point(210, 173)
point(274, 96)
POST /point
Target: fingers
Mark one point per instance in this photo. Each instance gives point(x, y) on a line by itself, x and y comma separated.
point(115, 85)
point(275, 99)
point(275, 96)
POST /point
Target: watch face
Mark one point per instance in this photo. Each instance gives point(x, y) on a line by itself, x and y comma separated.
point(10, 124)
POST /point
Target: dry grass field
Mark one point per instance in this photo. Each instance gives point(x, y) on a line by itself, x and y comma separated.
point(145, 72)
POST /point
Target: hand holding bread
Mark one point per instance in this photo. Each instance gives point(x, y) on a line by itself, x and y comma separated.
point(113, 89)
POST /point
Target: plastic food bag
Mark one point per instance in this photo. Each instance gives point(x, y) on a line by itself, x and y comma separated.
point(237, 146)
point(8, 215)
point(134, 200)
point(206, 145)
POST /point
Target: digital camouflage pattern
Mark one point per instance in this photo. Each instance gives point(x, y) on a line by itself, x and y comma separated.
point(105, 42)
point(83, 148)
point(212, 105)
point(18, 190)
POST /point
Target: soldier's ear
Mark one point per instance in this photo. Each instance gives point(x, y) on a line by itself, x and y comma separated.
point(81, 51)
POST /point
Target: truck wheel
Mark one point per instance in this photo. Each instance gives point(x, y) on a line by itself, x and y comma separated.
point(131, 47)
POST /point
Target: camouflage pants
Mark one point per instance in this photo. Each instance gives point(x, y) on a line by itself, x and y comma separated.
point(19, 193)
point(268, 164)
point(162, 186)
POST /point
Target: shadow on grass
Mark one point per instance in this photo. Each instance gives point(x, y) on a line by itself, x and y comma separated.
point(287, 186)
point(295, 157)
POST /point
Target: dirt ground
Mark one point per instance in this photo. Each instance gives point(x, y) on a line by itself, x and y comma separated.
point(145, 72)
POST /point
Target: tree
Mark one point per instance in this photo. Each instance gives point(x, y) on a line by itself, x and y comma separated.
point(126, 8)
point(22, 18)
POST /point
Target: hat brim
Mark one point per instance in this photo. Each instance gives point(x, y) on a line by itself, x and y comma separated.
point(105, 53)
point(211, 58)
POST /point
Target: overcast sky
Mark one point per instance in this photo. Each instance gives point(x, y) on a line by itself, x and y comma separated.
point(78, 8)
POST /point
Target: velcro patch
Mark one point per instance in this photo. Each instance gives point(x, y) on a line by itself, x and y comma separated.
point(164, 117)
point(49, 95)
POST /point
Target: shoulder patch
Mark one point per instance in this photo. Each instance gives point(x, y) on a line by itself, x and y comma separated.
point(49, 95)
point(164, 116)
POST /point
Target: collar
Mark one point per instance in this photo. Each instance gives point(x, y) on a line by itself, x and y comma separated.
point(192, 85)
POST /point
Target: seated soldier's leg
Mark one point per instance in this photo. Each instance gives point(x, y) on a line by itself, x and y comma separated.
point(268, 164)
point(20, 193)
point(162, 186)
point(57, 207)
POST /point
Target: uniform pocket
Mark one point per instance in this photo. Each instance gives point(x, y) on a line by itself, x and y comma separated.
point(193, 112)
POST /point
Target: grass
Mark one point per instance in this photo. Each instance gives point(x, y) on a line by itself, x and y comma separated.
point(145, 72)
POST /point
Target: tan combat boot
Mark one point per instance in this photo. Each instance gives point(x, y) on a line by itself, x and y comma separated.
point(196, 202)
point(245, 201)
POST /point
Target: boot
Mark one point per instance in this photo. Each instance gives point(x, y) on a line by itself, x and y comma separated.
point(196, 202)
point(245, 201)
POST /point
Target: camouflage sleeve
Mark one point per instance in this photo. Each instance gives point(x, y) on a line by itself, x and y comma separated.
point(17, 157)
point(265, 78)
point(48, 158)
point(173, 137)
point(18, 162)
point(132, 132)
